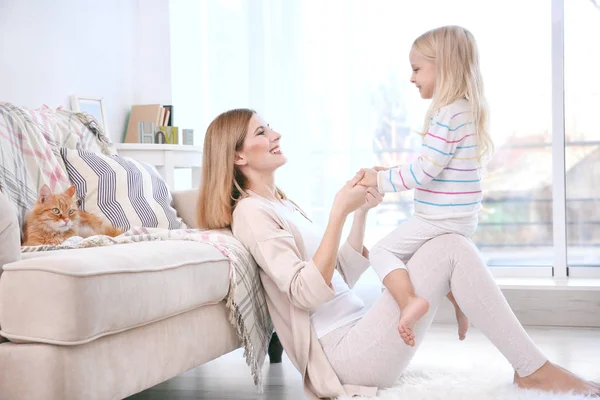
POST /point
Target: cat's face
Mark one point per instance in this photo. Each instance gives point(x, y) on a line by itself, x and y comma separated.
point(59, 212)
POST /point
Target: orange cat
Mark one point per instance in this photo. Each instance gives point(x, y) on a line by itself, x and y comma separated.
point(55, 218)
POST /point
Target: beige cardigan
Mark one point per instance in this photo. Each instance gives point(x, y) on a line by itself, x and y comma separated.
point(294, 287)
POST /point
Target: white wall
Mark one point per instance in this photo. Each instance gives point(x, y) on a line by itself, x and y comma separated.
point(118, 50)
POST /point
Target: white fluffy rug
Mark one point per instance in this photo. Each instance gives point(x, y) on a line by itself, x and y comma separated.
point(450, 385)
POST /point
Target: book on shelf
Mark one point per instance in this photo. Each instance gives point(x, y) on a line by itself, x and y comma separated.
point(155, 113)
point(169, 117)
point(166, 121)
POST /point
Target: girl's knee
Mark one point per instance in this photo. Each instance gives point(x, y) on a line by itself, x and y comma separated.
point(379, 255)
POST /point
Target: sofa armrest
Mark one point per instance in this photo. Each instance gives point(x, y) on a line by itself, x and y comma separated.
point(10, 233)
point(185, 204)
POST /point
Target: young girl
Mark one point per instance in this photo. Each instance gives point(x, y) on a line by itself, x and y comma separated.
point(447, 175)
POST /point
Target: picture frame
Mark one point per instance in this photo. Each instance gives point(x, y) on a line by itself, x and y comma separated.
point(93, 106)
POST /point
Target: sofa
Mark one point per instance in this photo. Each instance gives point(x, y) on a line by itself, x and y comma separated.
point(102, 322)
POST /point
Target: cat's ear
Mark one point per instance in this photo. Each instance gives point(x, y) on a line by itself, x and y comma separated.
point(70, 191)
point(45, 192)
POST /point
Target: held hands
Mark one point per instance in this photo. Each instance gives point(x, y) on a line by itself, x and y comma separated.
point(370, 178)
point(351, 196)
point(355, 195)
point(373, 199)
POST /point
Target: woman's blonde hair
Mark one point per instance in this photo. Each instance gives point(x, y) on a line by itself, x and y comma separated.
point(454, 51)
point(222, 182)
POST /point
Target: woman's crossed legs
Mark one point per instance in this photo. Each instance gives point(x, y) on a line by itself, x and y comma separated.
point(372, 353)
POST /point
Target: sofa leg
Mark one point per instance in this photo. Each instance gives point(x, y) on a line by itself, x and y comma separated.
point(275, 349)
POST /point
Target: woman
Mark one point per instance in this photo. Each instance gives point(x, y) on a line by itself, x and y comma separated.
point(338, 347)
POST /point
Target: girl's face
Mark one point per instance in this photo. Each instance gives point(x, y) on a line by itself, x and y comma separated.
point(260, 151)
point(423, 75)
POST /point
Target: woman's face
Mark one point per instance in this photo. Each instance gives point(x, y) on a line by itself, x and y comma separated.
point(260, 151)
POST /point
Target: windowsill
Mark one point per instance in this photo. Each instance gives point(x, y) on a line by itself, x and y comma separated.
point(535, 300)
point(369, 278)
point(548, 283)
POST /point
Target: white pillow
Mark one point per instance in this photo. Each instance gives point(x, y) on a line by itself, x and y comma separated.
point(121, 190)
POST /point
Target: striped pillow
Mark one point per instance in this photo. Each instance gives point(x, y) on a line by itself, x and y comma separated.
point(125, 192)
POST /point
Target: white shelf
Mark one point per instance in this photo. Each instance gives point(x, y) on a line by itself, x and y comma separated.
point(162, 147)
point(166, 157)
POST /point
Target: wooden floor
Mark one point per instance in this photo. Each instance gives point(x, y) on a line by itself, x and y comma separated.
point(228, 377)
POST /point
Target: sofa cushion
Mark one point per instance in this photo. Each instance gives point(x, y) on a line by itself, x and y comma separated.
point(124, 192)
point(74, 296)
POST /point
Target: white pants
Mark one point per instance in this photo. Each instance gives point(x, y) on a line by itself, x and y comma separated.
point(393, 251)
point(371, 352)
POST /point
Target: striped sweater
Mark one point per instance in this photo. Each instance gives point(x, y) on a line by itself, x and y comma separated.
point(447, 175)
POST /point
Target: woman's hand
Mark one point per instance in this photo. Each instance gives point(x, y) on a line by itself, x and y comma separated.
point(373, 199)
point(351, 196)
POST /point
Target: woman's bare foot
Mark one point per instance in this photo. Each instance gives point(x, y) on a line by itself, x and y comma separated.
point(552, 378)
point(410, 315)
point(463, 324)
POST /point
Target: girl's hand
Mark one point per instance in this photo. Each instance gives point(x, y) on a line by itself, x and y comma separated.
point(369, 179)
point(373, 199)
point(382, 168)
point(351, 196)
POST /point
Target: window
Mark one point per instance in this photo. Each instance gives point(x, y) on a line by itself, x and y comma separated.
point(333, 78)
point(582, 135)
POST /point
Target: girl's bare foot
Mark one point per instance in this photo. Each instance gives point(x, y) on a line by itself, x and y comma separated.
point(411, 313)
point(407, 335)
point(552, 378)
point(463, 324)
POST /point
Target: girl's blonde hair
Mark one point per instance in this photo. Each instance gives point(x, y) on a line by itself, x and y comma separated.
point(454, 51)
point(222, 182)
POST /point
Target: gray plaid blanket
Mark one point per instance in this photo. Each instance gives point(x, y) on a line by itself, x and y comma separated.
point(246, 299)
point(30, 142)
